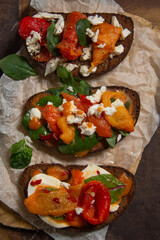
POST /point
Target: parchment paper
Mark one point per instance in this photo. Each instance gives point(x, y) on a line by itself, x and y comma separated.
point(139, 71)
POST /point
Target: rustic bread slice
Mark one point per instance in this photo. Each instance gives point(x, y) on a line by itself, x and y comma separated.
point(109, 63)
point(114, 170)
point(132, 96)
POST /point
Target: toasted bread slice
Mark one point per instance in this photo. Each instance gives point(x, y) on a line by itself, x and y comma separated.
point(132, 96)
point(112, 61)
point(114, 170)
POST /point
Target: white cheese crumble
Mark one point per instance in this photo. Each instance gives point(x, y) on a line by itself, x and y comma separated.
point(50, 103)
point(96, 97)
point(115, 22)
point(70, 66)
point(52, 65)
point(51, 16)
point(93, 194)
point(28, 141)
point(95, 20)
point(35, 113)
point(77, 118)
point(119, 137)
point(70, 88)
point(89, 32)
point(125, 33)
point(49, 127)
point(85, 71)
point(95, 37)
point(118, 50)
point(65, 185)
point(114, 207)
point(109, 111)
point(78, 210)
point(86, 53)
point(93, 201)
point(96, 110)
point(87, 128)
point(32, 43)
point(61, 106)
point(117, 103)
point(101, 45)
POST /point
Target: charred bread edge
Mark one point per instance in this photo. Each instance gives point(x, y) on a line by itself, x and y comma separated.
point(133, 95)
point(110, 63)
point(114, 170)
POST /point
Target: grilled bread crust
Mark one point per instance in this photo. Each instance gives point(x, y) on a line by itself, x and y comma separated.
point(109, 63)
point(114, 170)
point(132, 95)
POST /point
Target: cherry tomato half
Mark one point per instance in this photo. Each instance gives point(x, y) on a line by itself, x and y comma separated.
point(95, 201)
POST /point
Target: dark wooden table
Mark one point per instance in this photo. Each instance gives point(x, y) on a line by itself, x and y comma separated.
point(141, 220)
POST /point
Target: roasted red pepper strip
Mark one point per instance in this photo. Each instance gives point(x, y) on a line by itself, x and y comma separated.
point(69, 47)
point(95, 201)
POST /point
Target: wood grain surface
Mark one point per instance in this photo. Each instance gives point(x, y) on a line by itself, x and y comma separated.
point(141, 220)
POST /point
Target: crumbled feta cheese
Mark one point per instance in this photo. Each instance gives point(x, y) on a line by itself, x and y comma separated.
point(61, 106)
point(95, 37)
point(93, 194)
point(115, 22)
point(49, 103)
point(125, 33)
point(28, 141)
point(77, 118)
point(85, 71)
point(35, 113)
point(70, 66)
point(117, 103)
point(93, 201)
point(114, 207)
point(32, 43)
point(89, 32)
point(87, 128)
point(52, 65)
point(78, 210)
point(118, 49)
point(65, 185)
point(70, 88)
point(51, 16)
point(95, 20)
point(96, 110)
point(119, 137)
point(49, 127)
point(86, 53)
point(96, 97)
point(110, 111)
point(101, 45)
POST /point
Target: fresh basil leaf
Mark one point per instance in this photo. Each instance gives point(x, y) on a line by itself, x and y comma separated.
point(53, 99)
point(78, 145)
point(52, 40)
point(127, 105)
point(112, 100)
point(18, 147)
point(35, 134)
point(79, 85)
point(58, 218)
point(124, 134)
point(81, 27)
point(21, 159)
point(111, 140)
point(25, 119)
point(58, 91)
point(16, 67)
point(114, 186)
point(64, 75)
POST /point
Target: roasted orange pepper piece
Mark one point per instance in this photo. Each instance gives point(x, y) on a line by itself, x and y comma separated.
point(68, 132)
point(108, 35)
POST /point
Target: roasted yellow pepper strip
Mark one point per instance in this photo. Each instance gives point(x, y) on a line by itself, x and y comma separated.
point(68, 132)
point(121, 119)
